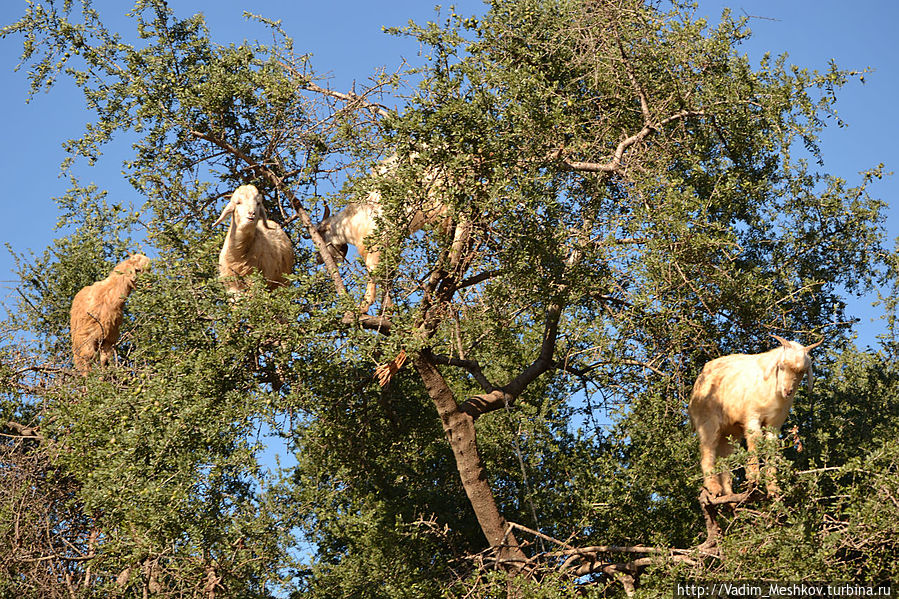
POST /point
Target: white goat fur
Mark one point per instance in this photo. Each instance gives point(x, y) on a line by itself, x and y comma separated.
point(96, 314)
point(739, 395)
point(253, 243)
point(358, 220)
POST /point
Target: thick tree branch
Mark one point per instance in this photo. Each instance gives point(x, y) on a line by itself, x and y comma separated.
point(735, 498)
point(472, 366)
point(505, 396)
point(479, 405)
point(380, 324)
point(709, 506)
point(475, 279)
point(460, 432)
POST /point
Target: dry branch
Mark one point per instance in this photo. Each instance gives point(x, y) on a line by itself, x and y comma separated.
point(26, 432)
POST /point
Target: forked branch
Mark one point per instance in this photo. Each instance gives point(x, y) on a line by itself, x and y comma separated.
point(614, 165)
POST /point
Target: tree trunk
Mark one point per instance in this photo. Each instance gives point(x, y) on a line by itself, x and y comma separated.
point(460, 431)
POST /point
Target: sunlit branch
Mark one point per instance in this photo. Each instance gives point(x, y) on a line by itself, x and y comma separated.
point(614, 165)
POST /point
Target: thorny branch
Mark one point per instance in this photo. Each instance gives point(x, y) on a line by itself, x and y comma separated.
point(350, 99)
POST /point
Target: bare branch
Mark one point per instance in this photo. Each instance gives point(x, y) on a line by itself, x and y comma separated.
point(614, 165)
point(475, 279)
point(479, 405)
point(350, 98)
point(625, 361)
point(27, 432)
point(544, 537)
point(644, 104)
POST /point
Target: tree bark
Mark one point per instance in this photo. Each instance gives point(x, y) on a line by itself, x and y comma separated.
point(460, 431)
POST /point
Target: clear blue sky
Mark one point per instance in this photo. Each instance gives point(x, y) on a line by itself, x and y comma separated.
point(345, 39)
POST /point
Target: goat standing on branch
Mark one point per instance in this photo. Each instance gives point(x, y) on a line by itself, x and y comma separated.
point(253, 243)
point(96, 314)
point(358, 220)
point(739, 395)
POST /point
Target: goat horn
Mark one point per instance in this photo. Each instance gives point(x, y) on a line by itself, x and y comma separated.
point(327, 212)
point(809, 348)
point(225, 214)
point(783, 341)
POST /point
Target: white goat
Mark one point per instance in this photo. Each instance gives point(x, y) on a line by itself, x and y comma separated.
point(96, 314)
point(737, 396)
point(358, 220)
point(253, 242)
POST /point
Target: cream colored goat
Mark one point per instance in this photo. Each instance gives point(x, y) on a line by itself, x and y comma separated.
point(358, 220)
point(96, 314)
point(739, 395)
point(253, 243)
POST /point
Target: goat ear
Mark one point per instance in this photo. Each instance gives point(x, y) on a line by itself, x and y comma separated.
point(772, 370)
point(263, 215)
point(225, 214)
point(810, 377)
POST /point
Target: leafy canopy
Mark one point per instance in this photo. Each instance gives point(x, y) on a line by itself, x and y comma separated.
point(637, 199)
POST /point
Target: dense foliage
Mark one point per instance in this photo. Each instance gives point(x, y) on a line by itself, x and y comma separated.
point(638, 199)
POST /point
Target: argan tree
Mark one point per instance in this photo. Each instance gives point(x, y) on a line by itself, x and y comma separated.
point(636, 198)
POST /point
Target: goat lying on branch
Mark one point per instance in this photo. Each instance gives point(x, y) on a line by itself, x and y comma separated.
point(739, 395)
point(358, 220)
point(96, 314)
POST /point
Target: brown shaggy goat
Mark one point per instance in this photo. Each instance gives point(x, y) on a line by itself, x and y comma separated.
point(96, 314)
